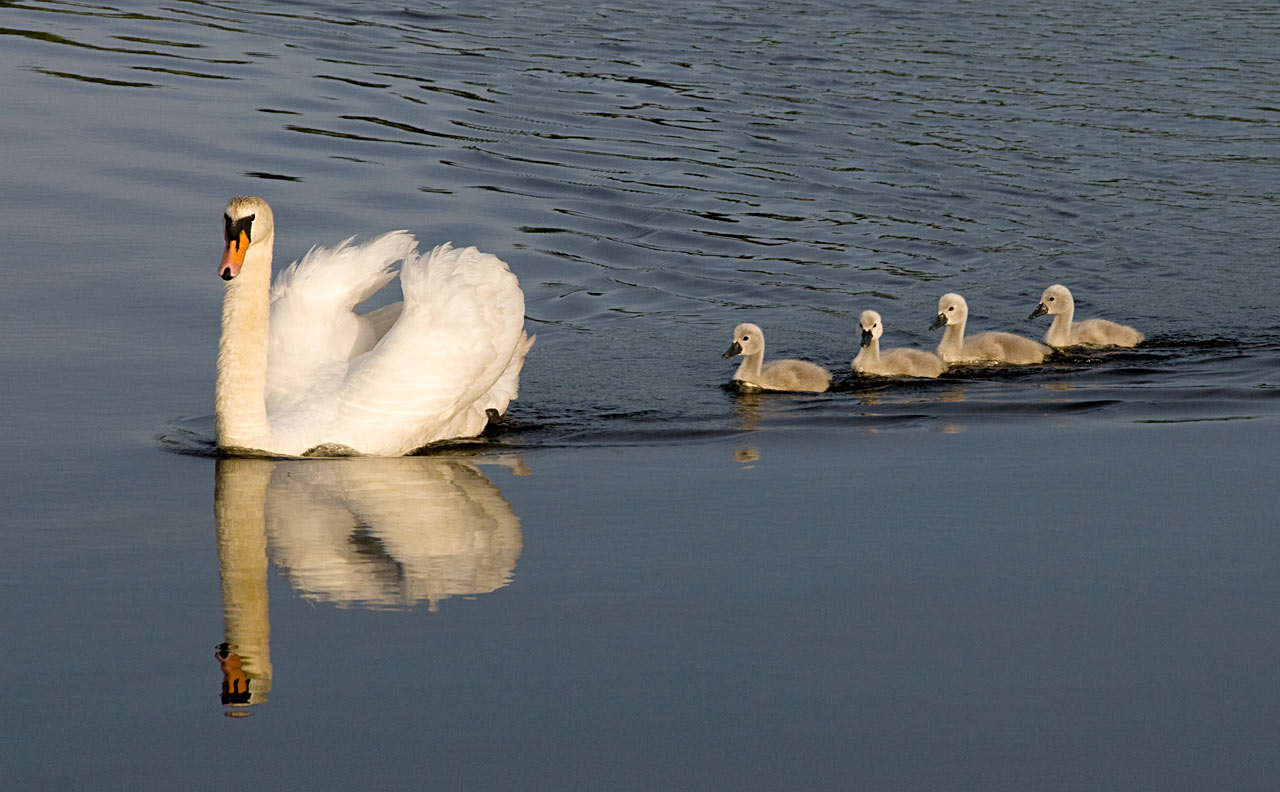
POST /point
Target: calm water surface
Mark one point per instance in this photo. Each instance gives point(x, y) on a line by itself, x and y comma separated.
point(1056, 577)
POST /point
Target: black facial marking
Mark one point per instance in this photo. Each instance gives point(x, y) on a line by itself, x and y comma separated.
point(233, 228)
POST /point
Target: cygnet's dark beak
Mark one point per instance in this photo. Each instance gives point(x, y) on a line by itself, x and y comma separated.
point(734, 349)
point(866, 338)
point(938, 322)
point(1039, 311)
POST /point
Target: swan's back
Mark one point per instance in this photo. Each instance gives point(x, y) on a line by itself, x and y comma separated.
point(794, 375)
point(907, 362)
point(1100, 332)
point(998, 347)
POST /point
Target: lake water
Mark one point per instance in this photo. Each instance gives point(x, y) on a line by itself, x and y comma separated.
point(1054, 577)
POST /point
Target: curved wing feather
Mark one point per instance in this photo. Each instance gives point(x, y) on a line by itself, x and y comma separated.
point(429, 376)
point(314, 327)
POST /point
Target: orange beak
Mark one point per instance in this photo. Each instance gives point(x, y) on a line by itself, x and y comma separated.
point(233, 256)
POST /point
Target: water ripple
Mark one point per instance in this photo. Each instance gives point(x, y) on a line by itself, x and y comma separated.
point(789, 165)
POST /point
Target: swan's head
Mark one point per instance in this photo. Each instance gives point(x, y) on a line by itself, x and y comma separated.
point(747, 340)
point(871, 326)
point(1055, 300)
point(247, 222)
point(952, 310)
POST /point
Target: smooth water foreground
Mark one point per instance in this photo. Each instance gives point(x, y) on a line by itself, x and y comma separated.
point(1057, 577)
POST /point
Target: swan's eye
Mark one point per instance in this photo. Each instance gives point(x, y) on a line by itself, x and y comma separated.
point(746, 338)
point(1050, 299)
point(951, 307)
point(232, 229)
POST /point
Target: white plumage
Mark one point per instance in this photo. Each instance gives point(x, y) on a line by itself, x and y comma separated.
point(300, 369)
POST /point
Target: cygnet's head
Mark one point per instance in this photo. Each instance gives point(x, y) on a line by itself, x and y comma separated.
point(952, 310)
point(747, 340)
point(871, 327)
point(1055, 300)
point(246, 221)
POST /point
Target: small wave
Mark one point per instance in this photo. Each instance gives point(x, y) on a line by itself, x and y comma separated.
point(191, 436)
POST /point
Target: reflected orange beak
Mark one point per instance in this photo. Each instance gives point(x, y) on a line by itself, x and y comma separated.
point(233, 256)
point(235, 682)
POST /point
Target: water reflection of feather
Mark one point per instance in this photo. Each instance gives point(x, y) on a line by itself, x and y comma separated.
point(368, 532)
point(389, 532)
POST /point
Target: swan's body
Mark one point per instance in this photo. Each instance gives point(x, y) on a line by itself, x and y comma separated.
point(779, 375)
point(989, 347)
point(899, 362)
point(299, 370)
point(1057, 300)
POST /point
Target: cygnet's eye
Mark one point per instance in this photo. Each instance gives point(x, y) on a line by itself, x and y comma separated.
point(1050, 299)
point(951, 307)
point(746, 338)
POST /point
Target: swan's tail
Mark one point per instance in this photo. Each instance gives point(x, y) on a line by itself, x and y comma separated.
point(508, 385)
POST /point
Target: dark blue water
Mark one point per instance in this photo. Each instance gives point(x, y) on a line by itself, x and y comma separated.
point(1054, 577)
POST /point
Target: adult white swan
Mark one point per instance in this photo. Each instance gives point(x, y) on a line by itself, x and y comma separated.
point(300, 371)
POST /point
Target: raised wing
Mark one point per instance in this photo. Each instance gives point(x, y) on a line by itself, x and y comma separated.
point(430, 377)
point(314, 328)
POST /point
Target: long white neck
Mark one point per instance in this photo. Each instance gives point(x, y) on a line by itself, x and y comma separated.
point(949, 348)
point(749, 369)
point(1060, 331)
point(240, 407)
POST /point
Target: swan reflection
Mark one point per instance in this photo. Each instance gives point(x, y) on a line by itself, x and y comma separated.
point(373, 533)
